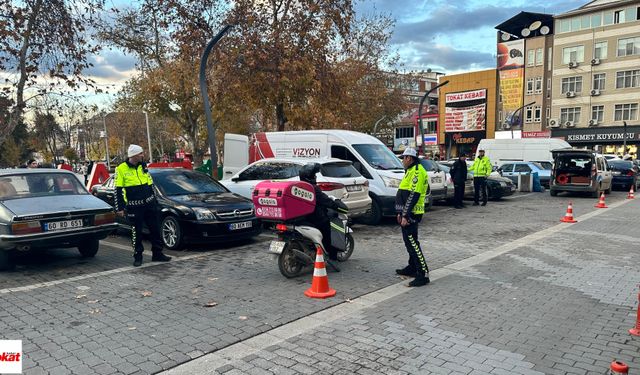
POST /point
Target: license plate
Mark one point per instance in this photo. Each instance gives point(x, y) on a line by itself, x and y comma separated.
point(62, 225)
point(354, 188)
point(616, 173)
point(276, 247)
point(436, 180)
point(242, 225)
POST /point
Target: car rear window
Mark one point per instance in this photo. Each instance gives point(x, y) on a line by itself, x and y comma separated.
point(185, 183)
point(39, 184)
point(573, 161)
point(620, 164)
point(338, 170)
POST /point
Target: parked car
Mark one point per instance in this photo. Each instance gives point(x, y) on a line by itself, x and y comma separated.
point(49, 208)
point(497, 186)
point(437, 180)
point(513, 169)
point(337, 178)
point(468, 184)
point(624, 173)
point(194, 208)
point(546, 164)
point(576, 170)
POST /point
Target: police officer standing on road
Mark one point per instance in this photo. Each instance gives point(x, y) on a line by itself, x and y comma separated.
point(410, 208)
point(459, 177)
point(134, 194)
point(481, 169)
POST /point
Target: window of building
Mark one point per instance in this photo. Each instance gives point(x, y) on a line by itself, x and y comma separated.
point(599, 81)
point(627, 79)
point(528, 115)
point(596, 19)
point(565, 25)
point(404, 132)
point(570, 114)
point(618, 16)
point(571, 84)
point(585, 22)
point(629, 46)
point(600, 50)
point(608, 17)
point(575, 24)
point(548, 112)
point(538, 85)
point(529, 86)
point(575, 54)
point(530, 57)
point(549, 59)
point(597, 113)
point(539, 56)
point(500, 116)
point(537, 113)
point(548, 87)
point(626, 112)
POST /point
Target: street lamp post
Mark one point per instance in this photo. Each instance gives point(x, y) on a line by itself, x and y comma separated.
point(624, 139)
point(426, 95)
point(375, 127)
point(520, 119)
point(146, 120)
point(106, 140)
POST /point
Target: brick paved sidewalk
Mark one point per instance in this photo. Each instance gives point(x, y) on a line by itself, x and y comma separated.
point(559, 302)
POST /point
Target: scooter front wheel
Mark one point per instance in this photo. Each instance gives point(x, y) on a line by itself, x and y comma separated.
point(346, 254)
point(290, 266)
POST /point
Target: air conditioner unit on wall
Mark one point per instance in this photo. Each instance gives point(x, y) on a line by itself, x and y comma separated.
point(571, 94)
point(595, 92)
point(593, 122)
point(569, 124)
point(553, 123)
point(595, 61)
point(573, 64)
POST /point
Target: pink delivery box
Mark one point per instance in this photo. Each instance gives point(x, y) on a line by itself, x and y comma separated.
point(283, 200)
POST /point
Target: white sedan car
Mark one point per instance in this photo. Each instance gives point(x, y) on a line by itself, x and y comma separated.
point(337, 178)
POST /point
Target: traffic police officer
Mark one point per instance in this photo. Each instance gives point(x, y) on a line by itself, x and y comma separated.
point(481, 169)
point(135, 196)
point(410, 208)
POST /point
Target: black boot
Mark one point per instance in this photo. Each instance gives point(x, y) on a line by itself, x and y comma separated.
point(420, 280)
point(137, 259)
point(407, 271)
point(159, 257)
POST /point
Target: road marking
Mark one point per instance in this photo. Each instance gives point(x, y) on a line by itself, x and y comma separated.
point(209, 362)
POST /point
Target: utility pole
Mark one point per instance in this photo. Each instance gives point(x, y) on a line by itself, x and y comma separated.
point(426, 95)
point(146, 120)
point(106, 140)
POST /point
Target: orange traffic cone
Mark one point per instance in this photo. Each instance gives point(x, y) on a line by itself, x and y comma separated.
point(636, 330)
point(630, 195)
point(568, 217)
point(320, 283)
point(618, 367)
point(601, 203)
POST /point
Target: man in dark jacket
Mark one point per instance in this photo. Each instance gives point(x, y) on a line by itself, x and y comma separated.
point(459, 177)
point(320, 216)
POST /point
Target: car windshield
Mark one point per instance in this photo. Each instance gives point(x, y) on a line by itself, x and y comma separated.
point(378, 156)
point(185, 183)
point(620, 164)
point(39, 185)
point(444, 167)
point(429, 165)
point(545, 164)
point(339, 169)
point(538, 165)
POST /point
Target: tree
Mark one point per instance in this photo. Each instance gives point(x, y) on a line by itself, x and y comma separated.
point(48, 133)
point(43, 45)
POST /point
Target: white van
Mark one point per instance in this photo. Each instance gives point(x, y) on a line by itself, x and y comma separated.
point(500, 151)
point(369, 156)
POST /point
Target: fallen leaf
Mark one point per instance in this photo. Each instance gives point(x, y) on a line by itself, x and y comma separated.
point(212, 278)
point(131, 328)
point(147, 293)
point(242, 317)
point(211, 304)
point(81, 296)
point(93, 301)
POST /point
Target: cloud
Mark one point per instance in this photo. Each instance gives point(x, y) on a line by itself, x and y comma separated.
point(113, 65)
point(448, 59)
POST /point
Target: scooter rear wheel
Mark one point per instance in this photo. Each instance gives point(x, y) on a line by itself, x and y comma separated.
point(344, 255)
point(289, 265)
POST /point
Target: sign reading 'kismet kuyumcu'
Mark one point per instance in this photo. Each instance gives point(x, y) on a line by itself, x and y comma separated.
point(303, 193)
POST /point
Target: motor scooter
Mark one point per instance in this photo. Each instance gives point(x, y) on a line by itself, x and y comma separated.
point(295, 246)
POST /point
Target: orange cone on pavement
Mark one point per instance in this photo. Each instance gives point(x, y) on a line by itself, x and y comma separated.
point(618, 367)
point(320, 283)
point(630, 195)
point(568, 217)
point(601, 203)
point(636, 330)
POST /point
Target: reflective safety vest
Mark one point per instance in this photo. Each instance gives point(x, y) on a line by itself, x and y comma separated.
point(134, 186)
point(415, 181)
point(481, 167)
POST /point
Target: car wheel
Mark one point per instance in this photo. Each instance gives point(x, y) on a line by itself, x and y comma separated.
point(373, 216)
point(553, 193)
point(6, 264)
point(171, 233)
point(89, 248)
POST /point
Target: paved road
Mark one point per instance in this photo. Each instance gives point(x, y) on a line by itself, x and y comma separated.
point(526, 294)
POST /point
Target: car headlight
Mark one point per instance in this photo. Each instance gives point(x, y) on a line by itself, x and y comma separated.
point(503, 184)
point(391, 182)
point(204, 213)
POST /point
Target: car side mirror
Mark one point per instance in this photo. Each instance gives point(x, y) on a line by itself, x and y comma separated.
point(235, 179)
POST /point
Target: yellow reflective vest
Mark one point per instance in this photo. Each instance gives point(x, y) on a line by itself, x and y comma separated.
point(414, 183)
point(134, 186)
point(481, 167)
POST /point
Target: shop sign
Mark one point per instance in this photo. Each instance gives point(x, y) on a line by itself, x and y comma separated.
point(461, 138)
point(543, 134)
point(599, 137)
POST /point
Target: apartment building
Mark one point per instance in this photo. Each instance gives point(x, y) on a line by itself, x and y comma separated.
point(596, 76)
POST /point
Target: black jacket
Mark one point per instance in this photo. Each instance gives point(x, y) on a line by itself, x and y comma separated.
point(459, 172)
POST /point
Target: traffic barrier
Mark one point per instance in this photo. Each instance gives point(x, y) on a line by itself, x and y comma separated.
point(618, 367)
point(630, 195)
point(320, 283)
point(636, 330)
point(568, 217)
point(601, 203)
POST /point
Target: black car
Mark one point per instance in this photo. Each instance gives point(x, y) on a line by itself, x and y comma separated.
point(624, 173)
point(194, 208)
point(49, 208)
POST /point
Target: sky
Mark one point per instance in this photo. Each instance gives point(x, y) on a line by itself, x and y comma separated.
point(448, 36)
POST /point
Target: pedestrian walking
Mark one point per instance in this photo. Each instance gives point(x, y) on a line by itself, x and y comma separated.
point(83, 171)
point(459, 177)
point(135, 197)
point(481, 169)
point(410, 208)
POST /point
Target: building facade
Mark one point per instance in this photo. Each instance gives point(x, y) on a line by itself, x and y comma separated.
point(467, 111)
point(596, 76)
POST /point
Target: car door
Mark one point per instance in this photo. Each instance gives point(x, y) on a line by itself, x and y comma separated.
point(607, 175)
point(106, 191)
point(507, 171)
